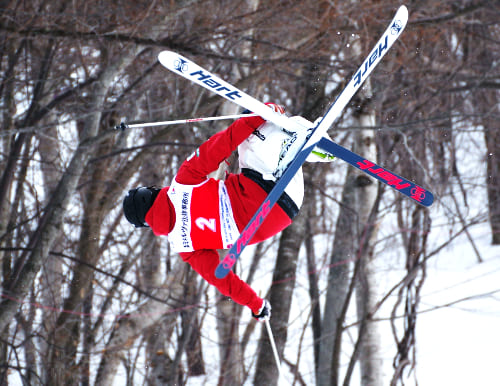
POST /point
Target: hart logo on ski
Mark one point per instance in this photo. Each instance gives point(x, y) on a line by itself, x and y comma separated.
point(246, 235)
point(418, 193)
point(252, 227)
point(181, 65)
point(229, 261)
point(210, 82)
point(195, 73)
point(401, 184)
point(396, 27)
point(391, 179)
point(191, 71)
point(377, 53)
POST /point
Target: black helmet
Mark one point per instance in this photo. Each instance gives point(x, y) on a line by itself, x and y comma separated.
point(137, 203)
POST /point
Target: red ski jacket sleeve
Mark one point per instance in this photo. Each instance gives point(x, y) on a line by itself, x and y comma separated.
point(215, 150)
point(205, 262)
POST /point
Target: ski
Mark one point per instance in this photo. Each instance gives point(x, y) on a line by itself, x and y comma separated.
point(195, 73)
point(402, 185)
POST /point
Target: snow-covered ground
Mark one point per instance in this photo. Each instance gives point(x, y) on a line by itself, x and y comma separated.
point(459, 343)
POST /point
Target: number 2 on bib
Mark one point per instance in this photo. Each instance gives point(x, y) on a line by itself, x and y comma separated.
point(202, 222)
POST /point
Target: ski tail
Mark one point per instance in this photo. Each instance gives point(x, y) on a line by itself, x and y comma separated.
point(402, 185)
point(391, 34)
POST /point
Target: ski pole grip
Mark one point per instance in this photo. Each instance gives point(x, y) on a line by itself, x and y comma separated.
point(122, 126)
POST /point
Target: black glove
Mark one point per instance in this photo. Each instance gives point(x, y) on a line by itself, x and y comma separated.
point(264, 312)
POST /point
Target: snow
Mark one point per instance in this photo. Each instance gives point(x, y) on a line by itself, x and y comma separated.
point(459, 344)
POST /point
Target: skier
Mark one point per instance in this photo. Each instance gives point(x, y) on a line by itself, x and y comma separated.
point(201, 215)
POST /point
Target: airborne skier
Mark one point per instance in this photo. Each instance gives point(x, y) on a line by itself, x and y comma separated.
point(195, 205)
point(201, 215)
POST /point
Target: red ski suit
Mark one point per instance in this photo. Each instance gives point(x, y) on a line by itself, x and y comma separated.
point(245, 197)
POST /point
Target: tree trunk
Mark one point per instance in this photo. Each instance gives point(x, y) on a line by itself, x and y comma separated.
point(162, 368)
point(191, 334)
point(280, 298)
point(231, 361)
point(370, 356)
point(126, 330)
point(492, 139)
point(329, 365)
point(314, 291)
point(408, 299)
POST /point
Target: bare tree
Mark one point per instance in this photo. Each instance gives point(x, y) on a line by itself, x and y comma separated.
point(85, 298)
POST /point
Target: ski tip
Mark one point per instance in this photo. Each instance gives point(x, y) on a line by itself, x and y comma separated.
point(174, 62)
point(403, 9)
point(402, 14)
point(429, 199)
point(422, 197)
point(166, 58)
point(221, 272)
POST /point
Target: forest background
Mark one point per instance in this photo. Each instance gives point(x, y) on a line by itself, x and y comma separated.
point(367, 287)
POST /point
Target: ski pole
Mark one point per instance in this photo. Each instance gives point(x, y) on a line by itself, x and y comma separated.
point(273, 345)
point(124, 126)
